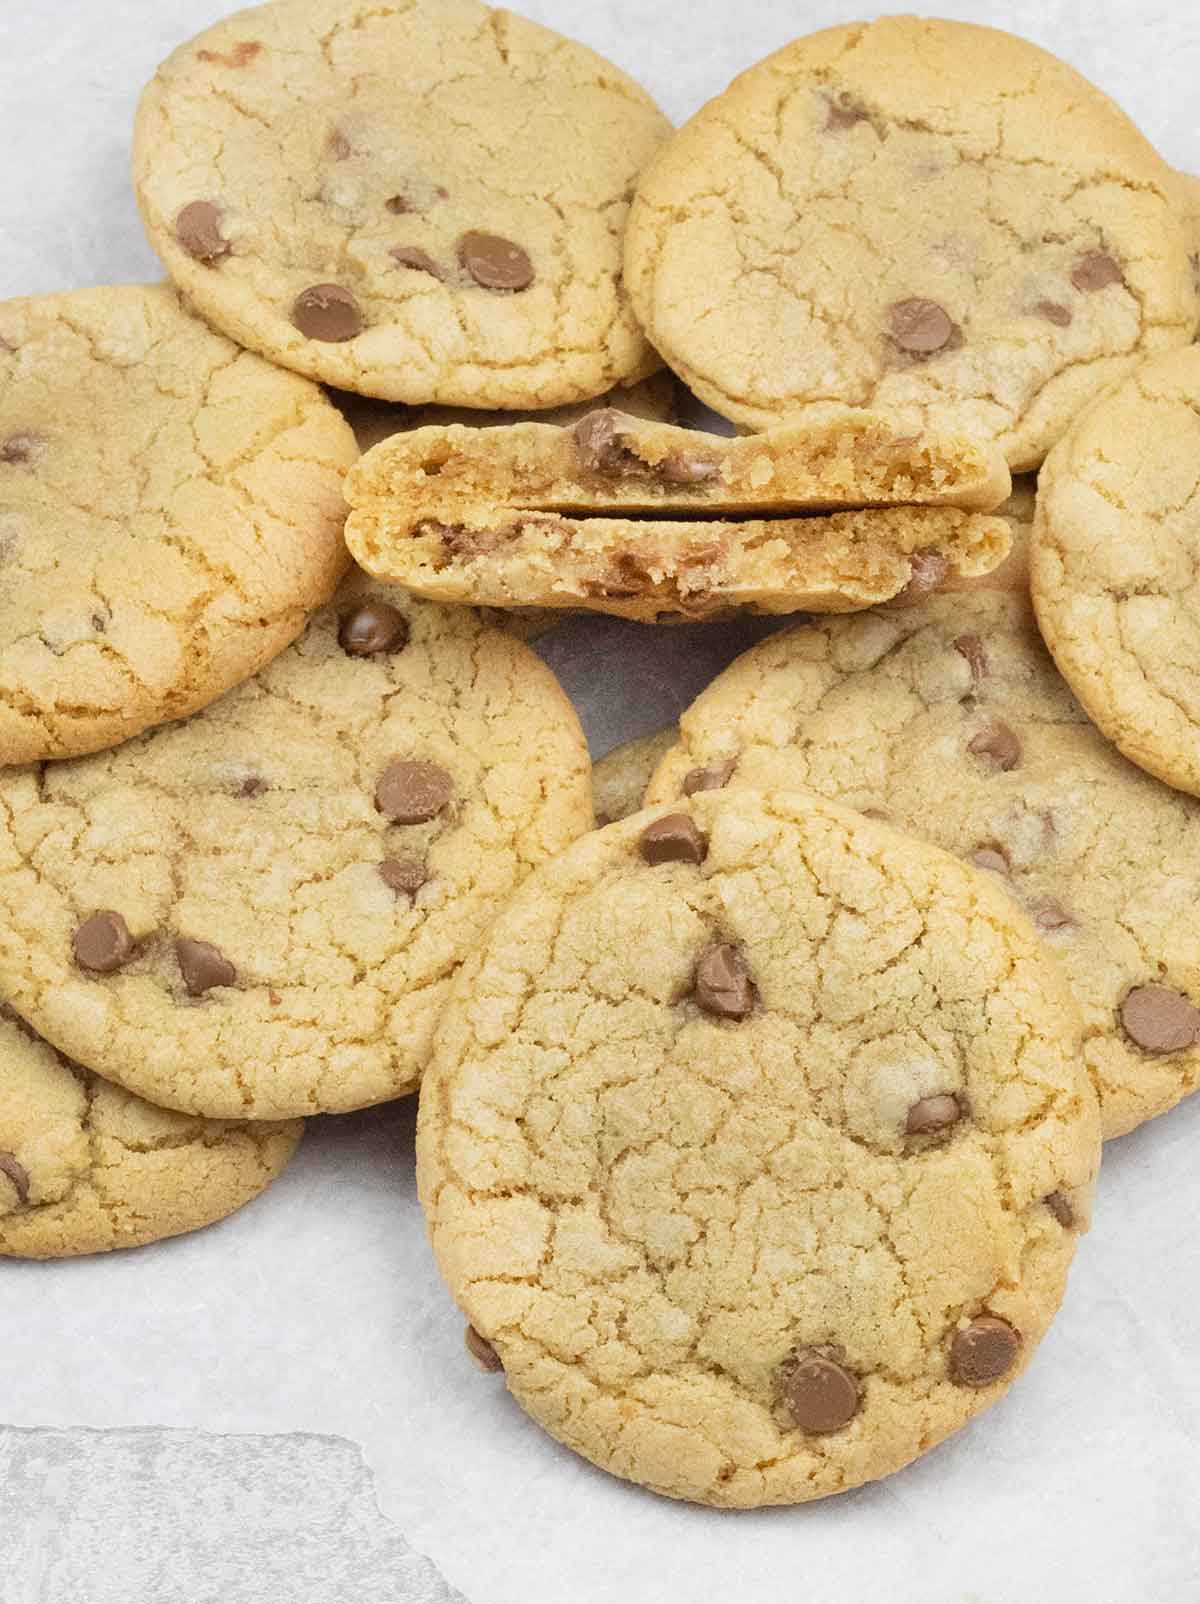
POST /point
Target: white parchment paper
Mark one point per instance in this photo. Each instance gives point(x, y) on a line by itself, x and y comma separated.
point(317, 1312)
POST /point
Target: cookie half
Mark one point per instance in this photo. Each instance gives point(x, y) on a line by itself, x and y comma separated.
point(258, 912)
point(170, 513)
point(934, 219)
point(423, 203)
point(86, 1167)
point(755, 1147)
point(1114, 561)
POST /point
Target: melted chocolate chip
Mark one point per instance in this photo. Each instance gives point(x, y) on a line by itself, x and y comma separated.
point(713, 778)
point(419, 261)
point(673, 839)
point(483, 1355)
point(971, 647)
point(203, 966)
point(600, 444)
point(815, 1392)
point(1096, 270)
point(1061, 1207)
point(983, 1351)
point(403, 875)
point(927, 570)
point(329, 313)
point(930, 1116)
point(1051, 915)
point(495, 263)
point(251, 785)
point(17, 1174)
point(993, 858)
point(920, 327)
point(198, 231)
point(400, 205)
point(19, 449)
point(723, 987)
point(412, 793)
point(103, 943)
point(1054, 312)
point(1159, 1019)
point(999, 743)
point(686, 468)
point(374, 627)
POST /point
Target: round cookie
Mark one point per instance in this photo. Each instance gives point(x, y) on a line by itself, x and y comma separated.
point(85, 1167)
point(258, 912)
point(949, 719)
point(170, 513)
point(1113, 565)
point(620, 778)
point(755, 1145)
point(926, 217)
point(422, 202)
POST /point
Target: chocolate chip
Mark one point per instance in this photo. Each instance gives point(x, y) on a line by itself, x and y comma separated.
point(99, 623)
point(203, 966)
point(252, 785)
point(411, 793)
point(495, 263)
point(400, 205)
point(1054, 312)
point(327, 312)
point(815, 1392)
point(1096, 271)
point(483, 1355)
point(19, 449)
point(103, 943)
point(1061, 1207)
point(198, 231)
point(673, 839)
point(403, 875)
point(927, 570)
point(374, 627)
point(337, 147)
point(920, 326)
point(684, 468)
point(998, 742)
point(17, 1174)
point(411, 256)
point(983, 1351)
point(723, 987)
point(993, 858)
point(971, 647)
point(1051, 915)
point(714, 778)
point(600, 444)
point(929, 1116)
point(843, 113)
point(1160, 1020)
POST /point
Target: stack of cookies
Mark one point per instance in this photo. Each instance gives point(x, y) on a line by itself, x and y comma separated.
point(759, 1123)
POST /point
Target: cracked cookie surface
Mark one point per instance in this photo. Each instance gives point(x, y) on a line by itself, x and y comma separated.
point(738, 1141)
point(949, 719)
point(258, 912)
point(170, 513)
point(422, 201)
point(86, 1167)
point(930, 218)
point(1115, 565)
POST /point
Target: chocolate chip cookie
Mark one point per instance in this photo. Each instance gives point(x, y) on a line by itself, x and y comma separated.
point(620, 778)
point(949, 719)
point(756, 1145)
point(653, 522)
point(1113, 562)
point(170, 513)
point(258, 912)
point(86, 1167)
point(935, 219)
point(423, 203)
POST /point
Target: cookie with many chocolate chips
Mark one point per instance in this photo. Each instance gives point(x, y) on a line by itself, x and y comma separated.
point(86, 1167)
point(259, 911)
point(170, 513)
point(1114, 562)
point(949, 719)
point(931, 218)
point(683, 1155)
point(422, 202)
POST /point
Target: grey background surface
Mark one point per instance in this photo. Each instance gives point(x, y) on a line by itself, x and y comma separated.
point(318, 1311)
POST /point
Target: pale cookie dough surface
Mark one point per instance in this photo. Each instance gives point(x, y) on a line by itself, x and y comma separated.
point(338, 834)
point(950, 720)
point(422, 201)
point(170, 513)
point(672, 570)
point(933, 219)
point(620, 778)
point(86, 1167)
point(1116, 565)
point(658, 1218)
